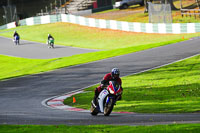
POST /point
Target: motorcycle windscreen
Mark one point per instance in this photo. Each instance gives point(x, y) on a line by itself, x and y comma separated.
point(101, 98)
point(115, 85)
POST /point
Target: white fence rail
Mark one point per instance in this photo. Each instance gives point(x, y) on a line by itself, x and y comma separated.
point(161, 28)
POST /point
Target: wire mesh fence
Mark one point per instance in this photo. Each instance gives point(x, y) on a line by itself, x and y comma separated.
point(56, 7)
point(159, 13)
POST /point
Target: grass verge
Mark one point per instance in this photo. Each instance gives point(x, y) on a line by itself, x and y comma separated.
point(143, 17)
point(94, 38)
point(171, 89)
point(178, 128)
point(116, 42)
point(15, 66)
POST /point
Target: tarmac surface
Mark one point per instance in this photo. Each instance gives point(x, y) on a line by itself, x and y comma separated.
point(21, 98)
point(28, 49)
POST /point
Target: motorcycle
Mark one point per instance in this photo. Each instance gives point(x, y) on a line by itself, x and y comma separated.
point(51, 43)
point(106, 99)
point(16, 40)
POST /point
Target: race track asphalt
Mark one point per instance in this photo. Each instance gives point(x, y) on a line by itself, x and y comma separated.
point(34, 50)
point(21, 97)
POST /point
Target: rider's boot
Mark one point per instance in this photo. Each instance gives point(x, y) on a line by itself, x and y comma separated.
point(95, 100)
point(95, 97)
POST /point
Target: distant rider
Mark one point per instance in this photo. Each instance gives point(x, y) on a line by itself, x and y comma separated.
point(16, 36)
point(49, 39)
point(113, 76)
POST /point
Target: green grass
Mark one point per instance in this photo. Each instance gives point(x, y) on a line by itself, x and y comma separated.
point(15, 66)
point(144, 18)
point(171, 89)
point(178, 128)
point(74, 35)
point(138, 15)
point(94, 38)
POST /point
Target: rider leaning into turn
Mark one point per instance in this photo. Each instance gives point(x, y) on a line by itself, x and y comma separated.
point(15, 34)
point(49, 37)
point(113, 76)
point(50, 41)
point(16, 37)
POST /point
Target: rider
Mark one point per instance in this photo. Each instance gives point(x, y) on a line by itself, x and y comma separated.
point(16, 34)
point(49, 37)
point(113, 76)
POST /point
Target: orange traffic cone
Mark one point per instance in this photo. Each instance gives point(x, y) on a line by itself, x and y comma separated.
point(183, 37)
point(74, 100)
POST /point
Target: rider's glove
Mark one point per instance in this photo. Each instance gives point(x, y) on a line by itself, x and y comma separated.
point(102, 85)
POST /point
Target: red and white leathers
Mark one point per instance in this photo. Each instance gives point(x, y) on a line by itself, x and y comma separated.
point(108, 77)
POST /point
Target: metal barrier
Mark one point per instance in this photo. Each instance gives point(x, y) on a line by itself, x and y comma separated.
point(160, 28)
point(190, 12)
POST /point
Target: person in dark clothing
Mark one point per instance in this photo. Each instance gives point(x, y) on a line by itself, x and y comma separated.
point(50, 37)
point(15, 34)
point(50, 41)
point(113, 76)
point(16, 37)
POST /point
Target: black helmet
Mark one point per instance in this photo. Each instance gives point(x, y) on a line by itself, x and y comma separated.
point(115, 73)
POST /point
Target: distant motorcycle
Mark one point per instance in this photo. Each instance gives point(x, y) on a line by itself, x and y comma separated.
point(107, 99)
point(51, 43)
point(16, 40)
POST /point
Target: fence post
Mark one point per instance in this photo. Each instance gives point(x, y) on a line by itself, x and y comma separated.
point(51, 5)
point(198, 13)
point(41, 12)
point(46, 10)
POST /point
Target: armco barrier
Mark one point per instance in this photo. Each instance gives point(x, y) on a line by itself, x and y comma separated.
point(162, 28)
point(8, 26)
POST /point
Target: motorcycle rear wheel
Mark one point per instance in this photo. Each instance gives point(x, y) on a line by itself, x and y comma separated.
point(93, 110)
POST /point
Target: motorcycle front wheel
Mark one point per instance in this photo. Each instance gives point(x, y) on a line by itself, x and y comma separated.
point(108, 107)
point(52, 45)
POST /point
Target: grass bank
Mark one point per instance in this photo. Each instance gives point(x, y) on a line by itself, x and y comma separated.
point(94, 38)
point(15, 66)
point(171, 89)
point(136, 13)
point(116, 42)
point(178, 128)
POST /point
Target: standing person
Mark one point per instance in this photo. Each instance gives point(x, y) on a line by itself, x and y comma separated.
point(50, 41)
point(112, 76)
point(16, 37)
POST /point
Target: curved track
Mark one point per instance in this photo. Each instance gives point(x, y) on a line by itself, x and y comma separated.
point(34, 50)
point(21, 97)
